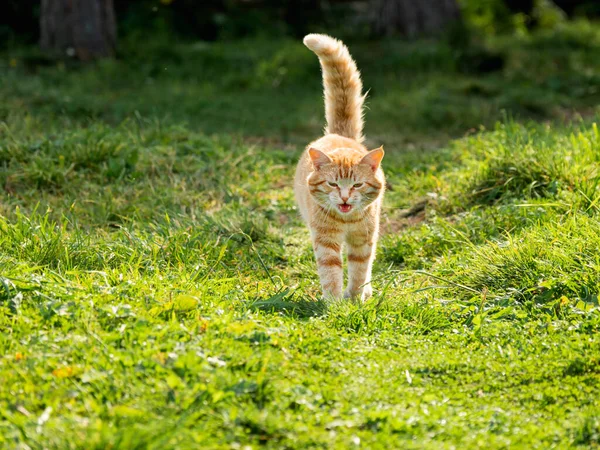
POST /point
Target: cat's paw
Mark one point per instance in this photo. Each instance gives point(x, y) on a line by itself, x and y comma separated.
point(332, 295)
point(360, 294)
point(367, 292)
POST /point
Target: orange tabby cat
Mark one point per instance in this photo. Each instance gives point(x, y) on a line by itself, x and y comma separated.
point(339, 184)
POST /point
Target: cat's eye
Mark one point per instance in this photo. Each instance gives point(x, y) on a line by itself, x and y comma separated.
point(332, 184)
point(358, 185)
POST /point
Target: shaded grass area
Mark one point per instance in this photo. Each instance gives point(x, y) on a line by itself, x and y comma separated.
point(419, 93)
point(157, 289)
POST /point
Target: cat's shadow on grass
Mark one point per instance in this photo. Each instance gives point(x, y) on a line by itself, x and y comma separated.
point(287, 304)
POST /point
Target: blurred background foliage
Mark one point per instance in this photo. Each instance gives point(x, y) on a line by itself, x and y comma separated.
point(231, 19)
point(236, 66)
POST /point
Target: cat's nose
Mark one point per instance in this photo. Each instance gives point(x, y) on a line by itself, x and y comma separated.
point(344, 198)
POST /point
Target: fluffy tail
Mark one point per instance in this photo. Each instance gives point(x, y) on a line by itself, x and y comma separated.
point(342, 85)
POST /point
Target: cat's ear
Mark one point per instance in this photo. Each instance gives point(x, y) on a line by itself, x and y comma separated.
point(373, 158)
point(319, 159)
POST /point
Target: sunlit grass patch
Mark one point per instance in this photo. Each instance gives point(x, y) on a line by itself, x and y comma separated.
point(158, 289)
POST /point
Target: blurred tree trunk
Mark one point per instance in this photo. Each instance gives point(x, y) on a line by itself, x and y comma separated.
point(85, 29)
point(413, 18)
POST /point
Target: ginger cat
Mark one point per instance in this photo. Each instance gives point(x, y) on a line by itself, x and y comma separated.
point(339, 184)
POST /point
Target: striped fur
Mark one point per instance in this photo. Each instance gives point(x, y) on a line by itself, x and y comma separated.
point(337, 172)
point(342, 86)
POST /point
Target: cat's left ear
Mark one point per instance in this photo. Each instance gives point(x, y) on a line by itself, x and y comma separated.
point(373, 158)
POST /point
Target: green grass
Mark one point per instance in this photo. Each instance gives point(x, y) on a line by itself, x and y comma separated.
point(158, 290)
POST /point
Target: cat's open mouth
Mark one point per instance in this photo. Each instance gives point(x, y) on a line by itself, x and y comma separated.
point(344, 207)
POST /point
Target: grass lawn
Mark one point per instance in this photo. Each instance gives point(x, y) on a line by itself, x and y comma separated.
point(158, 289)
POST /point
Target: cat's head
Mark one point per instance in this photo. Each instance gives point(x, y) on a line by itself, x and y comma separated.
point(346, 180)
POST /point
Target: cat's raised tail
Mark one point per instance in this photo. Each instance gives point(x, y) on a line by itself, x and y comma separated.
point(342, 86)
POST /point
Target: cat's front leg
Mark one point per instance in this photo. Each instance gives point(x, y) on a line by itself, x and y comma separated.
point(361, 253)
point(328, 252)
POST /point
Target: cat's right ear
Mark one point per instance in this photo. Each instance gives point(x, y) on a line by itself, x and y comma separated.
point(319, 159)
